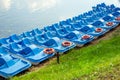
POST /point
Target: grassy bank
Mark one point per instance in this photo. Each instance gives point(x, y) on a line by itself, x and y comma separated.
point(81, 63)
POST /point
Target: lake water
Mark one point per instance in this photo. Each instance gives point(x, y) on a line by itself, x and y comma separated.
point(17, 16)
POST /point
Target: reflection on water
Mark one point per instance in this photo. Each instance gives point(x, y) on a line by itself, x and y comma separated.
point(17, 16)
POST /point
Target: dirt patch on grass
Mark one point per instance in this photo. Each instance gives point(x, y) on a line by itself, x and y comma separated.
point(42, 64)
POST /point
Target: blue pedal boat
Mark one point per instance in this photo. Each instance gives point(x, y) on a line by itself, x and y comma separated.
point(103, 25)
point(114, 8)
point(91, 30)
point(10, 65)
point(56, 43)
point(111, 19)
point(116, 15)
point(42, 56)
point(79, 38)
point(29, 52)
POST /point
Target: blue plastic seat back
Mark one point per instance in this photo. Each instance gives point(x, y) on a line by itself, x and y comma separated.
point(57, 26)
point(116, 14)
point(3, 51)
point(92, 18)
point(25, 51)
point(103, 5)
point(15, 48)
point(44, 36)
point(69, 21)
point(86, 14)
point(2, 62)
point(99, 7)
point(27, 34)
point(103, 8)
point(25, 42)
point(90, 12)
point(37, 51)
point(33, 33)
point(52, 34)
point(116, 9)
point(109, 11)
point(63, 23)
point(89, 20)
point(51, 43)
point(62, 31)
point(86, 29)
point(39, 38)
point(97, 17)
point(71, 36)
point(83, 16)
point(14, 38)
point(7, 59)
point(38, 31)
point(101, 14)
point(3, 41)
point(76, 25)
point(69, 28)
point(49, 28)
point(112, 6)
point(97, 24)
point(82, 22)
point(107, 18)
point(10, 60)
point(76, 18)
point(80, 16)
point(96, 9)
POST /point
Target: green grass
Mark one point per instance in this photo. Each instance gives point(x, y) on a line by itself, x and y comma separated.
point(80, 63)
